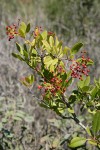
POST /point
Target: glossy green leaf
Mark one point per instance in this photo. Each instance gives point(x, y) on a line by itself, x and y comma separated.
point(76, 48)
point(28, 28)
point(96, 122)
point(77, 141)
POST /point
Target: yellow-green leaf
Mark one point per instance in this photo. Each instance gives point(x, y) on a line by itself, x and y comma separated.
point(70, 110)
point(77, 141)
point(51, 41)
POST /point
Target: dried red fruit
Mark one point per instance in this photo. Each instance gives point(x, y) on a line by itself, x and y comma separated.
point(11, 31)
point(39, 87)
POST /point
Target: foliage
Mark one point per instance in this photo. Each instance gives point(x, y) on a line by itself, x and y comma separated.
point(58, 67)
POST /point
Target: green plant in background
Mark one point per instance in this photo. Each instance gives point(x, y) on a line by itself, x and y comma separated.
point(11, 116)
point(57, 68)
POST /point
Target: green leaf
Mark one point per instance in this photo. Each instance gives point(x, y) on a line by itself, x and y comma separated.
point(77, 141)
point(87, 81)
point(46, 45)
point(55, 61)
point(44, 35)
point(88, 131)
point(66, 50)
point(79, 60)
point(17, 56)
point(51, 41)
point(47, 60)
point(43, 105)
point(34, 52)
point(85, 88)
point(23, 26)
point(93, 92)
point(72, 98)
point(90, 62)
point(96, 122)
point(22, 33)
point(19, 48)
point(81, 83)
point(25, 47)
point(28, 28)
point(92, 142)
point(27, 81)
point(22, 29)
point(30, 79)
point(70, 110)
point(22, 51)
point(76, 48)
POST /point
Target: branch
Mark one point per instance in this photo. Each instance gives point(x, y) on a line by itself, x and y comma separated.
point(73, 114)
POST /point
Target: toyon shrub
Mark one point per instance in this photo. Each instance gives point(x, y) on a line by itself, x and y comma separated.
point(57, 67)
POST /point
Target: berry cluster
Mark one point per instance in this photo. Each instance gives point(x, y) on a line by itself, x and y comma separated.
point(60, 69)
point(53, 86)
point(80, 68)
point(11, 31)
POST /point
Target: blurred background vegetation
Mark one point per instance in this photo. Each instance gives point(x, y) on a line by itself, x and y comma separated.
point(72, 21)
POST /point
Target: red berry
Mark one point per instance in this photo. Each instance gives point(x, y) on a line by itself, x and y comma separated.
point(39, 87)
